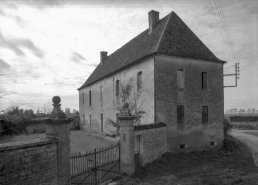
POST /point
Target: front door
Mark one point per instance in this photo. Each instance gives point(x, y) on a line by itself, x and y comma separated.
point(137, 152)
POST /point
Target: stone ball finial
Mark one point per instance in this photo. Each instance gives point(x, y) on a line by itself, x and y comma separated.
point(56, 100)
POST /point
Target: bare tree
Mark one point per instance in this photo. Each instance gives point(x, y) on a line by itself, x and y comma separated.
point(129, 100)
point(47, 108)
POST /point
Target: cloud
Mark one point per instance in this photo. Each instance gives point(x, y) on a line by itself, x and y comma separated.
point(92, 65)
point(77, 58)
point(16, 45)
point(4, 65)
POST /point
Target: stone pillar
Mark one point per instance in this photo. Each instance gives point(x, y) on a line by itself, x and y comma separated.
point(58, 127)
point(126, 144)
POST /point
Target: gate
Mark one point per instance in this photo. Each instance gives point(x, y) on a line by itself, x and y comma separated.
point(97, 166)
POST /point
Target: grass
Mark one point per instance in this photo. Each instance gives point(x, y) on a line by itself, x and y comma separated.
point(222, 166)
point(80, 141)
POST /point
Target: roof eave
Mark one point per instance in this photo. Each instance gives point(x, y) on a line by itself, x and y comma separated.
point(121, 69)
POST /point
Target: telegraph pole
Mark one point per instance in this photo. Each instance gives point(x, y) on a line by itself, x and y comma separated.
point(236, 74)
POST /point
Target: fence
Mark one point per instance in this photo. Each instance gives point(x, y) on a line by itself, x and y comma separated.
point(95, 166)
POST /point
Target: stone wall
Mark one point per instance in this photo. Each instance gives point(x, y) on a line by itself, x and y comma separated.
point(35, 128)
point(40, 161)
point(152, 142)
point(109, 89)
point(29, 162)
point(192, 134)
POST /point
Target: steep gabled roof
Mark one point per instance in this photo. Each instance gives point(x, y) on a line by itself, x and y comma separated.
point(171, 36)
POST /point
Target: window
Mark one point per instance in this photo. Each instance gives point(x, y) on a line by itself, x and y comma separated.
point(90, 97)
point(204, 114)
point(180, 114)
point(117, 88)
point(101, 121)
point(117, 122)
point(90, 118)
point(139, 80)
point(82, 98)
point(101, 96)
point(180, 79)
point(204, 80)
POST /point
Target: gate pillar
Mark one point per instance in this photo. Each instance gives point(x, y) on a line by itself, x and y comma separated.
point(58, 128)
point(127, 165)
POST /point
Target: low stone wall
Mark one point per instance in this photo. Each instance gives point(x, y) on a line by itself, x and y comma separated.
point(29, 162)
point(39, 126)
point(152, 142)
point(36, 128)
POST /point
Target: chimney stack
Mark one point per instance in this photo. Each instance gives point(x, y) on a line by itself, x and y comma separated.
point(103, 56)
point(153, 19)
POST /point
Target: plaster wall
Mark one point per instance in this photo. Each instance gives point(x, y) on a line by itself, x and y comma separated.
point(152, 144)
point(109, 89)
point(192, 133)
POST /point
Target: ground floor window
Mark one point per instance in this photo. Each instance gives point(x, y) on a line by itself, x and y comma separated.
point(205, 114)
point(180, 114)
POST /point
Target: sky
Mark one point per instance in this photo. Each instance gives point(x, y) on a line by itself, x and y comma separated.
point(50, 48)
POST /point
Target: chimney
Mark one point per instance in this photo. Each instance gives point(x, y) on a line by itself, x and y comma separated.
point(103, 56)
point(153, 19)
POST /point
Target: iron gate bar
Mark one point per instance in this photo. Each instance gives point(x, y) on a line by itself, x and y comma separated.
point(87, 176)
point(106, 173)
point(109, 155)
point(93, 168)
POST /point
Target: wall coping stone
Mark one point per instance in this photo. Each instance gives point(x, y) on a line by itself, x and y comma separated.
point(26, 144)
point(58, 121)
point(126, 117)
point(150, 126)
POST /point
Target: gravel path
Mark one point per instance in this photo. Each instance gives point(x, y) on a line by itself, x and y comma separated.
point(249, 140)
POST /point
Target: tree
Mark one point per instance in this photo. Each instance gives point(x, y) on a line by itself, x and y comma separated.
point(15, 119)
point(129, 101)
point(47, 108)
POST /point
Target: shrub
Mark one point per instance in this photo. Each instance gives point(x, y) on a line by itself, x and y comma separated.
point(227, 127)
point(231, 144)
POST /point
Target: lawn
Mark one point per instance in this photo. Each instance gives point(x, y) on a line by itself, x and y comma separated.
point(212, 167)
point(80, 141)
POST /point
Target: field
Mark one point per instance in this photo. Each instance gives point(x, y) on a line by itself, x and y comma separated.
point(252, 133)
point(80, 141)
point(221, 167)
point(245, 125)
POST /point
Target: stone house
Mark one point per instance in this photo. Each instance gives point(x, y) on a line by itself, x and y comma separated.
point(182, 80)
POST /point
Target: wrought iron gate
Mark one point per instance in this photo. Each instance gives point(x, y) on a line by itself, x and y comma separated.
point(97, 166)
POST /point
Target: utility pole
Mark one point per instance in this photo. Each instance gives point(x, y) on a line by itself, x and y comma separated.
point(236, 74)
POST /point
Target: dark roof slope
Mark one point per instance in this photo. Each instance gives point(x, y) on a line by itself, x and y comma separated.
point(171, 36)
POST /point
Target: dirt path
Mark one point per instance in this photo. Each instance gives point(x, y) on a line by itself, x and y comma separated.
point(250, 140)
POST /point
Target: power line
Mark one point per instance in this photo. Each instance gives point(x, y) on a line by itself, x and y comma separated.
point(223, 27)
point(229, 67)
point(219, 27)
point(226, 25)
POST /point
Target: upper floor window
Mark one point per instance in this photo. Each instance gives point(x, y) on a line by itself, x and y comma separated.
point(117, 88)
point(82, 98)
point(180, 79)
point(90, 97)
point(205, 114)
point(180, 114)
point(204, 80)
point(139, 80)
point(101, 96)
